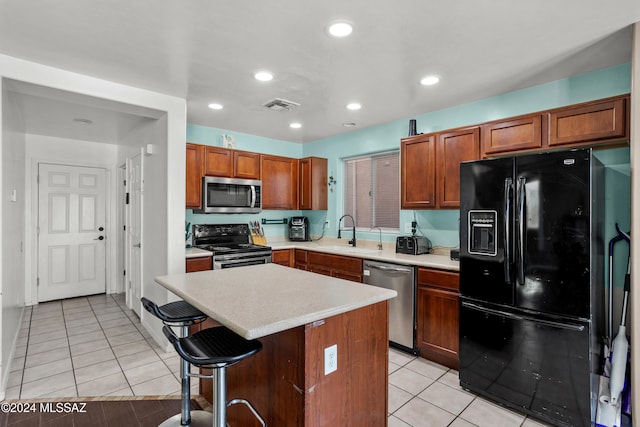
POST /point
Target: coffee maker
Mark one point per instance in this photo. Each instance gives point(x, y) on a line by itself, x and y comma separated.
point(299, 229)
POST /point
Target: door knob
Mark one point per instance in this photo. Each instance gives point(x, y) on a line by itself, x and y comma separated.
point(99, 238)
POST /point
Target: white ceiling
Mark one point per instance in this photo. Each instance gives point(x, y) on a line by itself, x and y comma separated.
point(208, 50)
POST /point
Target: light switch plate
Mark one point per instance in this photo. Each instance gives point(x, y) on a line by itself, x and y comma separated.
point(330, 359)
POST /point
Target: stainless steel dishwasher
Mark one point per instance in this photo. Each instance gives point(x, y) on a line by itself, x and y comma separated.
point(402, 309)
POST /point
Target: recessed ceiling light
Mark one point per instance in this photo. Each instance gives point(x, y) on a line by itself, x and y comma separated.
point(295, 125)
point(83, 121)
point(339, 29)
point(349, 124)
point(264, 76)
point(215, 106)
point(429, 80)
point(354, 106)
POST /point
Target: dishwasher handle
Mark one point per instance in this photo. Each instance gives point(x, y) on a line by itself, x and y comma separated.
point(385, 268)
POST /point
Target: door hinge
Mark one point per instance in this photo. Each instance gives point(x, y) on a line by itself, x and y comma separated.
point(124, 227)
point(125, 183)
point(124, 272)
point(127, 199)
point(38, 281)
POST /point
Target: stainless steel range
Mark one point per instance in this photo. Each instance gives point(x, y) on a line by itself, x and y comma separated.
point(231, 245)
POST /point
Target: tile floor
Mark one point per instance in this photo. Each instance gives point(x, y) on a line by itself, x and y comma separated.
point(95, 346)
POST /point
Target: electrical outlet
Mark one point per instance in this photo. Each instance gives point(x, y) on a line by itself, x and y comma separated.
point(330, 359)
point(407, 227)
point(328, 223)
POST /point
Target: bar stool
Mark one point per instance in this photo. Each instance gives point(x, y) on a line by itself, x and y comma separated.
point(216, 348)
point(181, 314)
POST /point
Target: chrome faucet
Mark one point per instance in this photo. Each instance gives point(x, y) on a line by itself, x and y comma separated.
point(352, 242)
point(379, 241)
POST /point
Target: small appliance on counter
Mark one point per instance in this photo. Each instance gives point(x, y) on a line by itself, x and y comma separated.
point(299, 229)
point(455, 254)
point(413, 245)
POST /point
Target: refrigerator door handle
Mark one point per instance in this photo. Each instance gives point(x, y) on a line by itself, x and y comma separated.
point(522, 181)
point(508, 182)
point(514, 316)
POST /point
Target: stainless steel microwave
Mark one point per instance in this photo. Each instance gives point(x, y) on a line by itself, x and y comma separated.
point(230, 195)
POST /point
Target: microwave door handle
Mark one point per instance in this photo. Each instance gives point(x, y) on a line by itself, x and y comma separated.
point(521, 227)
point(253, 196)
point(508, 182)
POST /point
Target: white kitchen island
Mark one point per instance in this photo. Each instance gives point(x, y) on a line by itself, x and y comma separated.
point(297, 315)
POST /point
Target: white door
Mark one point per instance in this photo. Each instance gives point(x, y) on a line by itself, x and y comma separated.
point(71, 231)
point(134, 228)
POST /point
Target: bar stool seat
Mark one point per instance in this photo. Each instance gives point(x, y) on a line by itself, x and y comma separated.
point(181, 314)
point(216, 348)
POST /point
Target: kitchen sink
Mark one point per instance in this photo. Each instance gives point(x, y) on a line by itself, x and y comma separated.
point(348, 249)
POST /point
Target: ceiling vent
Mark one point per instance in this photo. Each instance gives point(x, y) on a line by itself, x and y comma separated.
point(279, 104)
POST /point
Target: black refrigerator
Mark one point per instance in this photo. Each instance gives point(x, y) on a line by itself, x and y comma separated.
point(531, 283)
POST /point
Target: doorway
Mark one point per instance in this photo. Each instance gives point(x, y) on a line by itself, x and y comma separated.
point(71, 231)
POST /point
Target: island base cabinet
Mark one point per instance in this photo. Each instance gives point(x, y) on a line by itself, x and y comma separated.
point(286, 380)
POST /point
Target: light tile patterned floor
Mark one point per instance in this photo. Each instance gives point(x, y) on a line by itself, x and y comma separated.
point(95, 346)
point(89, 346)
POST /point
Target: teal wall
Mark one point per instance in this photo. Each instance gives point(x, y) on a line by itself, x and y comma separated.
point(441, 226)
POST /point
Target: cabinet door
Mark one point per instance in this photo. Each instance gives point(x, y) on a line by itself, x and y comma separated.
point(598, 121)
point(524, 133)
point(218, 162)
point(282, 257)
point(312, 183)
point(453, 148)
point(437, 321)
point(193, 196)
point(198, 264)
point(246, 165)
point(279, 182)
point(417, 166)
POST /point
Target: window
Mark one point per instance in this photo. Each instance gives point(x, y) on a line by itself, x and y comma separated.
point(372, 190)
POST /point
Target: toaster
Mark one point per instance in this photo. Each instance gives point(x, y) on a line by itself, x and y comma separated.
point(413, 245)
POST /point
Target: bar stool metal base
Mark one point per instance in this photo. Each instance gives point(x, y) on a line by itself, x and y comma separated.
point(198, 419)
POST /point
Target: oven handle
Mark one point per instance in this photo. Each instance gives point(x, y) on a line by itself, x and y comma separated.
point(240, 263)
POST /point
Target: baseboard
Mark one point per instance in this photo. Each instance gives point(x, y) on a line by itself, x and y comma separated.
point(6, 367)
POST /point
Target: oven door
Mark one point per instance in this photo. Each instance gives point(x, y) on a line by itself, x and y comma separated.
point(238, 260)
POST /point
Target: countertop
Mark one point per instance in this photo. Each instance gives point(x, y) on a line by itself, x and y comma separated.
point(261, 300)
point(197, 253)
point(366, 251)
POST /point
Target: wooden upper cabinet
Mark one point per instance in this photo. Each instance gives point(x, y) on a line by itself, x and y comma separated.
point(231, 163)
point(279, 182)
point(312, 185)
point(523, 133)
point(246, 165)
point(417, 168)
point(598, 121)
point(218, 161)
point(453, 148)
point(193, 196)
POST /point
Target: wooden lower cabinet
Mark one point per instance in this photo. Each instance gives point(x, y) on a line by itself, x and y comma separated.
point(438, 312)
point(283, 257)
point(342, 267)
point(286, 380)
point(199, 264)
